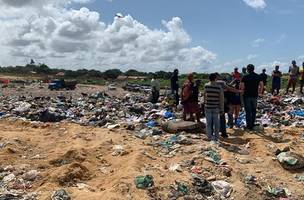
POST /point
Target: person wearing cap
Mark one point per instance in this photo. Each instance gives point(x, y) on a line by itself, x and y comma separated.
point(276, 80)
point(264, 79)
point(301, 78)
point(293, 75)
point(251, 86)
point(175, 86)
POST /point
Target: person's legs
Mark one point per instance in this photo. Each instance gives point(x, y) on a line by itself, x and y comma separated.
point(247, 105)
point(209, 123)
point(288, 85)
point(156, 96)
point(230, 116)
point(198, 116)
point(191, 117)
point(237, 113)
point(230, 120)
point(186, 111)
point(253, 111)
point(223, 125)
point(272, 87)
point(279, 87)
point(176, 97)
point(184, 116)
point(216, 122)
point(294, 83)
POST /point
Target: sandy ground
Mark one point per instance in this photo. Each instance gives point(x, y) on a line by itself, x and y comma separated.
point(89, 154)
point(68, 154)
point(42, 90)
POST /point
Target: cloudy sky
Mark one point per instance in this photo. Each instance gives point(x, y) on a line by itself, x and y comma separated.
point(197, 35)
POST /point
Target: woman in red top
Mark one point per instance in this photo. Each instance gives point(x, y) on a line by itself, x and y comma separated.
point(189, 99)
point(236, 75)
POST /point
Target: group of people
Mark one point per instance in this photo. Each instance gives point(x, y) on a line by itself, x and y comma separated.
point(221, 97)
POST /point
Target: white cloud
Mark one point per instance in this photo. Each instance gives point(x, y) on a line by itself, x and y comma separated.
point(270, 66)
point(229, 65)
point(301, 57)
point(256, 4)
point(281, 38)
point(258, 42)
point(50, 32)
point(252, 56)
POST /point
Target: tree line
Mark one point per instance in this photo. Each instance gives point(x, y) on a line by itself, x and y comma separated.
point(43, 69)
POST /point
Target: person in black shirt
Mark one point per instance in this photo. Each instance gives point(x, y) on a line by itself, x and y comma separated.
point(175, 86)
point(251, 86)
point(276, 80)
point(264, 79)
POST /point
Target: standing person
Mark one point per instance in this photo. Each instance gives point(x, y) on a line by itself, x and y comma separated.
point(293, 74)
point(227, 92)
point(301, 78)
point(235, 105)
point(264, 79)
point(196, 100)
point(236, 75)
point(252, 86)
point(189, 99)
point(276, 80)
point(244, 72)
point(214, 106)
point(155, 88)
point(175, 86)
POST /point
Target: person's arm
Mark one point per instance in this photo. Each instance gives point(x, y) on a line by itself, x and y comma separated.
point(186, 92)
point(221, 100)
point(261, 86)
point(242, 87)
point(232, 89)
point(204, 95)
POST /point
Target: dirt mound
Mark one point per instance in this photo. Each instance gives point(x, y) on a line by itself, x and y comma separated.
point(69, 157)
point(73, 174)
point(88, 168)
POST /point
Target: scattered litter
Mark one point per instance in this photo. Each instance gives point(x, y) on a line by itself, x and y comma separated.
point(143, 182)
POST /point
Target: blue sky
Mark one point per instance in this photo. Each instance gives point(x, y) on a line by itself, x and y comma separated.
point(214, 35)
point(226, 27)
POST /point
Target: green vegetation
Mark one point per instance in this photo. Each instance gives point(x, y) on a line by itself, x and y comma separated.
point(96, 77)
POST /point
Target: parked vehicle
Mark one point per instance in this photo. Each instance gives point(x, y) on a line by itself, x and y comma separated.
point(58, 84)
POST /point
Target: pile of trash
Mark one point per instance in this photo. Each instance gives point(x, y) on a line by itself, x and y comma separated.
point(97, 109)
point(274, 111)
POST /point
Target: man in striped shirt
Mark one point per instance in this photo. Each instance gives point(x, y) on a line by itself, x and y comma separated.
point(214, 106)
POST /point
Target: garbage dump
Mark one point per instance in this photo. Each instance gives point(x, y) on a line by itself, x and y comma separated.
point(96, 145)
